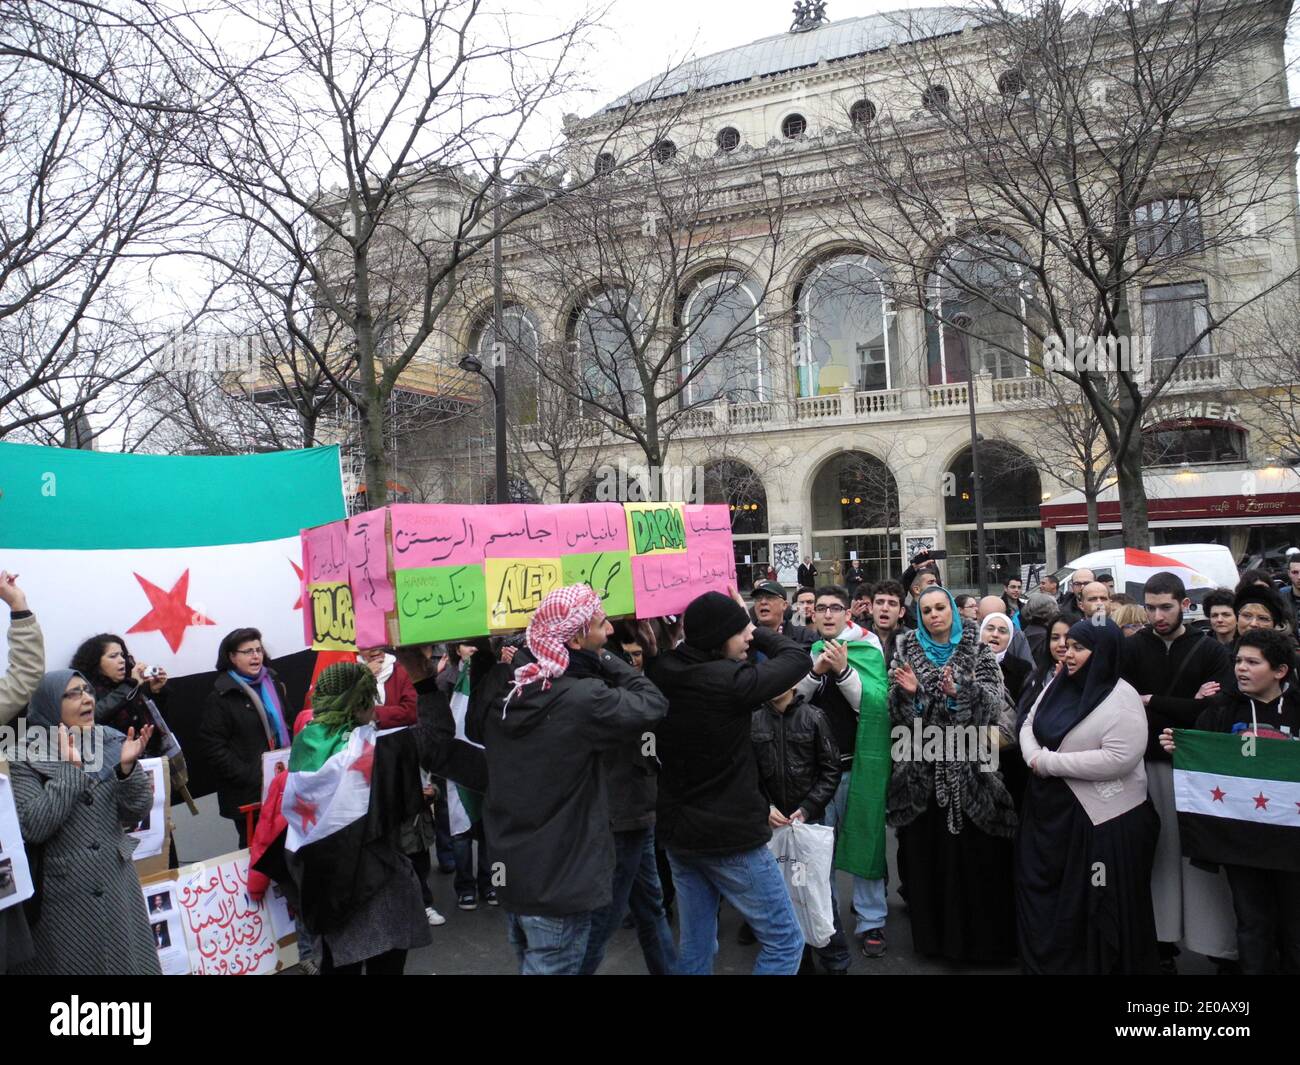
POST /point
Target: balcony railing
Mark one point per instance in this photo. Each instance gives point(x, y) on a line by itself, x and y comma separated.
point(847, 408)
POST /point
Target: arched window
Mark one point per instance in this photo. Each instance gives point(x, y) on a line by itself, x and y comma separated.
point(606, 332)
point(793, 127)
point(862, 113)
point(664, 151)
point(723, 342)
point(1167, 227)
point(604, 164)
point(977, 305)
point(846, 333)
point(855, 517)
point(1011, 82)
point(1194, 442)
point(522, 347)
point(728, 139)
point(935, 98)
point(1011, 487)
point(737, 485)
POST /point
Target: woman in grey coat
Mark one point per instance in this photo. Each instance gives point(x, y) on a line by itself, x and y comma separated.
point(76, 792)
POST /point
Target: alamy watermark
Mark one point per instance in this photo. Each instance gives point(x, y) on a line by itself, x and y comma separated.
point(194, 353)
point(1074, 353)
point(946, 743)
point(21, 742)
point(637, 482)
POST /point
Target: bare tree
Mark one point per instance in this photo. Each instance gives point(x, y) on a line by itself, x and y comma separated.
point(369, 144)
point(1065, 158)
point(1271, 379)
point(88, 199)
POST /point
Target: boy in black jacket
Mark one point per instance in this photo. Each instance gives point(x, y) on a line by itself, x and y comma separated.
point(798, 772)
point(1265, 897)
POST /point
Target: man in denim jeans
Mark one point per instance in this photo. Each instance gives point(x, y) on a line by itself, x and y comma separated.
point(712, 817)
point(544, 721)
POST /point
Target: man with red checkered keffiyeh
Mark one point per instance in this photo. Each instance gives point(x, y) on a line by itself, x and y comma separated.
point(545, 721)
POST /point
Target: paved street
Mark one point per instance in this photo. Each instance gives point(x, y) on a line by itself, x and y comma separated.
point(475, 942)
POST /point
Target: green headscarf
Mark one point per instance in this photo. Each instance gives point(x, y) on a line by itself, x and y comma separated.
point(341, 691)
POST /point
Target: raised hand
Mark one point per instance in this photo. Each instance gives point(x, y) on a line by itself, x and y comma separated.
point(905, 678)
point(133, 746)
point(67, 749)
point(948, 684)
point(10, 593)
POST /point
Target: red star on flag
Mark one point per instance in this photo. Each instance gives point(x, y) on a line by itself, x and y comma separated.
point(298, 570)
point(170, 615)
point(365, 763)
point(306, 811)
point(1261, 803)
point(1218, 793)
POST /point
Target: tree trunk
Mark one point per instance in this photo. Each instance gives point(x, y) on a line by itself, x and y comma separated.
point(370, 401)
point(1090, 494)
point(1128, 463)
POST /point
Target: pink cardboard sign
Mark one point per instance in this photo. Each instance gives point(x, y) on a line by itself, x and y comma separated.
point(372, 591)
point(442, 535)
point(589, 527)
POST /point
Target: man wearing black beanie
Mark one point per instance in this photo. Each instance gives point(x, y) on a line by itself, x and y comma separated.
point(712, 817)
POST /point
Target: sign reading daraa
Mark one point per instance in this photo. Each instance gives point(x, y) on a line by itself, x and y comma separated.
point(420, 573)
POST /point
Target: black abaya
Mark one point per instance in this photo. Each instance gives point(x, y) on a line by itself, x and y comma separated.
point(959, 894)
point(1083, 891)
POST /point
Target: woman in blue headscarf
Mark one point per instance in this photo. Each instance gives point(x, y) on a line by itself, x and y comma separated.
point(952, 810)
point(1088, 832)
point(77, 789)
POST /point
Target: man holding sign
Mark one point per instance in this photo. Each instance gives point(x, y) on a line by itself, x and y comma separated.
point(546, 811)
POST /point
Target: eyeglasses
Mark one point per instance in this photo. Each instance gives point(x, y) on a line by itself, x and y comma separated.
point(1131, 627)
point(77, 693)
point(250, 651)
point(828, 608)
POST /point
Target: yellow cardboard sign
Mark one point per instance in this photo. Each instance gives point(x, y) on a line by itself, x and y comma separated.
point(656, 528)
point(517, 586)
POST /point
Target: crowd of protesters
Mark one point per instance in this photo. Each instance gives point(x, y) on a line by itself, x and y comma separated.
point(590, 772)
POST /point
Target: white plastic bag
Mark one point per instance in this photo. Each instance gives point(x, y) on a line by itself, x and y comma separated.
point(805, 853)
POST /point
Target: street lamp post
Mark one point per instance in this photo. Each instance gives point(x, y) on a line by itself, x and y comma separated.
point(981, 571)
point(499, 357)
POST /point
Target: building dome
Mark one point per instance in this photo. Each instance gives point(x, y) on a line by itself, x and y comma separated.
point(785, 52)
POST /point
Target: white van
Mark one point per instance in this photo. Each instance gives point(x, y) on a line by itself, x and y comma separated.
point(1211, 566)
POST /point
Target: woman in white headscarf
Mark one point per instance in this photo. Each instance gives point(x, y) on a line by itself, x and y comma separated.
point(996, 631)
point(77, 790)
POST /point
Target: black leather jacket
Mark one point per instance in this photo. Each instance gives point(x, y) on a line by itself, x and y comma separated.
point(798, 760)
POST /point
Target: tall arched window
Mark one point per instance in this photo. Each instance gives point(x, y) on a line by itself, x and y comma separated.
point(977, 304)
point(607, 330)
point(846, 331)
point(734, 483)
point(522, 347)
point(1013, 534)
point(855, 516)
point(724, 342)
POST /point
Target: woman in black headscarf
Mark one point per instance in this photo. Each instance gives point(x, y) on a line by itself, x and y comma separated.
point(1087, 833)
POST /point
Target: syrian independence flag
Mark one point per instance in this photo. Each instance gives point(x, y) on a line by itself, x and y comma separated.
point(346, 795)
point(861, 846)
point(170, 552)
point(1141, 566)
point(1238, 799)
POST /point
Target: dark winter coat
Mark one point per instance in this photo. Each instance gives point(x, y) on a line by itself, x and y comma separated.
point(93, 920)
point(709, 798)
point(546, 812)
point(798, 761)
point(232, 739)
point(1158, 670)
point(962, 786)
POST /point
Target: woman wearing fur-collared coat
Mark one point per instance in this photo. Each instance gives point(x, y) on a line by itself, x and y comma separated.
point(954, 815)
point(75, 811)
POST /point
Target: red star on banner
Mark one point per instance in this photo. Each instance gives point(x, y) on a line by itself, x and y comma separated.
point(298, 570)
point(1218, 794)
point(170, 615)
point(365, 763)
point(1261, 803)
point(306, 811)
